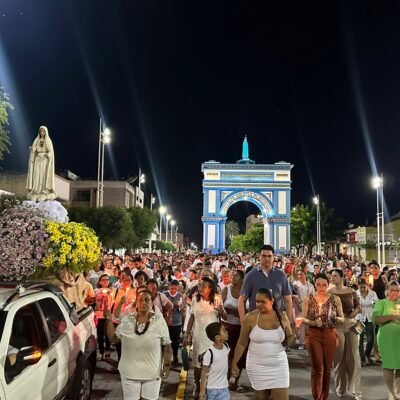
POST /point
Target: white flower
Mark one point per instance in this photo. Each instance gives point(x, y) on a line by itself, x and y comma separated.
point(52, 210)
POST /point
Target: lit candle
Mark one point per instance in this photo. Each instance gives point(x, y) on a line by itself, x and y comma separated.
point(217, 300)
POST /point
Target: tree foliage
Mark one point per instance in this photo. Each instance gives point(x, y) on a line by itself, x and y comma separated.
point(250, 242)
point(5, 106)
point(231, 229)
point(164, 246)
point(111, 224)
point(143, 221)
point(304, 225)
point(117, 227)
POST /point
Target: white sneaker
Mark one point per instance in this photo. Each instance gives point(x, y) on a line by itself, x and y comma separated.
point(339, 394)
point(358, 396)
point(301, 347)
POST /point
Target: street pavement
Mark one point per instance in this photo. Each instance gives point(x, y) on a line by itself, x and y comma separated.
point(107, 386)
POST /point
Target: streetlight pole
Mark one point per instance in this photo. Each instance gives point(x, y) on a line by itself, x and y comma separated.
point(172, 226)
point(162, 210)
point(98, 170)
point(104, 138)
point(316, 202)
point(142, 178)
point(376, 184)
point(168, 217)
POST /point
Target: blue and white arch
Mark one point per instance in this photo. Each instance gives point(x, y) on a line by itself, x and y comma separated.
point(268, 186)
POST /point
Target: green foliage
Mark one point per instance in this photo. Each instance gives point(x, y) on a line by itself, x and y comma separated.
point(164, 246)
point(143, 221)
point(117, 227)
point(5, 106)
point(112, 225)
point(250, 242)
point(231, 229)
point(304, 225)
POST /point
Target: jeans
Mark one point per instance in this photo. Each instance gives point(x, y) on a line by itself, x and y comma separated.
point(218, 394)
point(369, 332)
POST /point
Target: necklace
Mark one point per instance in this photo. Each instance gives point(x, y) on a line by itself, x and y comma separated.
point(141, 329)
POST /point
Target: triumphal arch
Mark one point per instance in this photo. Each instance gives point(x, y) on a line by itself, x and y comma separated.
point(268, 186)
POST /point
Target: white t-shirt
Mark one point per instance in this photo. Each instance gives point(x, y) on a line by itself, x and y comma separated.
point(217, 377)
point(141, 355)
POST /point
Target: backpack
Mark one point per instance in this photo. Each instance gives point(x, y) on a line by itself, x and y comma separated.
point(201, 356)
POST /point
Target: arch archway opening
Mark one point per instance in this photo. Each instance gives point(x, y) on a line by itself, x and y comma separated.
point(241, 213)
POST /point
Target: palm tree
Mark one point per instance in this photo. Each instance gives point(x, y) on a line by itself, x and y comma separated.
point(231, 229)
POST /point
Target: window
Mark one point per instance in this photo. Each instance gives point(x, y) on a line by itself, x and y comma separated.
point(82, 195)
point(54, 318)
point(27, 330)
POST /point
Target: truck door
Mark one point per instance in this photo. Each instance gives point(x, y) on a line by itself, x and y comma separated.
point(60, 343)
point(37, 381)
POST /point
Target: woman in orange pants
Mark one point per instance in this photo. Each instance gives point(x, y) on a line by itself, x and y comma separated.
point(321, 312)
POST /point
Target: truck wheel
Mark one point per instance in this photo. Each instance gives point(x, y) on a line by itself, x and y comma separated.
point(85, 382)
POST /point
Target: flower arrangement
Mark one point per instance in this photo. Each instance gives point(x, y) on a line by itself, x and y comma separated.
point(71, 245)
point(23, 242)
point(51, 209)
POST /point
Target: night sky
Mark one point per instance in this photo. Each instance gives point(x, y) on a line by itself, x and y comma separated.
point(316, 84)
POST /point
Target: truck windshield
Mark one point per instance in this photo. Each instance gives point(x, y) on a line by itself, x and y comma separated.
point(3, 317)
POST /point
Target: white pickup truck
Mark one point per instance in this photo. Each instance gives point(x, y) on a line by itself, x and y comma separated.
point(47, 349)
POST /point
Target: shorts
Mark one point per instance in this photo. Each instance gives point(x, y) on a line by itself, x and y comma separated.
point(218, 394)
point(134, 389)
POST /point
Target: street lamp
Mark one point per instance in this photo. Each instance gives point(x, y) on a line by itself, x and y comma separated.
point(142, 178)
point(168, 217)
point(377, 184)
point(152, 201)
point(162, 210)
point(172, 225)
point(316, 202)
point(104, 138)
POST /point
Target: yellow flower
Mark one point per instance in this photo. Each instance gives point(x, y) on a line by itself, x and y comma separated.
point(74, 245)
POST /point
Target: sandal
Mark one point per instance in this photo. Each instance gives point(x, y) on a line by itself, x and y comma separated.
point(240, 389)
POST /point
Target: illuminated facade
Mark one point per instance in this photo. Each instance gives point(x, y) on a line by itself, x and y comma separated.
point(268, 186)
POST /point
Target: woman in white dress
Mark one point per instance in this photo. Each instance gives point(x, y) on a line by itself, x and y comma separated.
point(204, 310)
point(266, 331)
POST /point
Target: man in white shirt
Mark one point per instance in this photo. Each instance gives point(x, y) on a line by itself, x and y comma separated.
point(367, 299)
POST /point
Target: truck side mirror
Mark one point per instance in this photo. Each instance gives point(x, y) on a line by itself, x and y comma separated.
point(30, 355)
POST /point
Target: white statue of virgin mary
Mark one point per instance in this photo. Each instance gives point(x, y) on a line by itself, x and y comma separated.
point(40, 181)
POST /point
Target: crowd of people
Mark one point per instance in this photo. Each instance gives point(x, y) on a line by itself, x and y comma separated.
point(244, 311)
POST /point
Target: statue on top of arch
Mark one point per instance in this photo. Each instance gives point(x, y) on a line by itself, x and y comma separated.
point(245, 153)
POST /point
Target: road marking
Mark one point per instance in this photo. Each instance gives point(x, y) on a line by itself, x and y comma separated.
point(180, 393)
